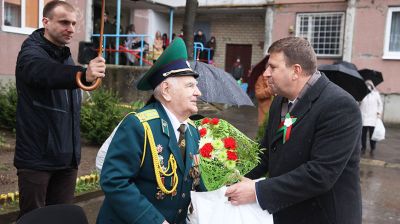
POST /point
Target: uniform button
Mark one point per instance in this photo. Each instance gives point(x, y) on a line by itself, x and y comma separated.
point(183, 195)
point(274, 149)
point(185, 179)
point(179, 211)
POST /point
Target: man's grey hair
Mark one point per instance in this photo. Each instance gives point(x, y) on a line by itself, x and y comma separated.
point(172, 81)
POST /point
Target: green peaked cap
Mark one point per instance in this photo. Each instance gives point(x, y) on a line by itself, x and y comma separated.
point(172, 63)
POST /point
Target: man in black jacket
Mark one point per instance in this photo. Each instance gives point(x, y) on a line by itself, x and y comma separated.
point(48, 148)
point(313, 141)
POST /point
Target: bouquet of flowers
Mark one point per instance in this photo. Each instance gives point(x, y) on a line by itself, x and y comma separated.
point(226, 154)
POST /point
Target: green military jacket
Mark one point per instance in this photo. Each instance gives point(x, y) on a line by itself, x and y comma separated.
point(131, 191)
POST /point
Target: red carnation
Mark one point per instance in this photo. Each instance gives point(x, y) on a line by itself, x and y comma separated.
point(203, 132)
point(206, 150)
point(214, 121)
point(205, 121)
point(230, 143)
point(232, 155)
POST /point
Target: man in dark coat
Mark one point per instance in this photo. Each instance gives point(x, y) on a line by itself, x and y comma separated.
point(313, 143)
point(47, 152)
point(150, 166)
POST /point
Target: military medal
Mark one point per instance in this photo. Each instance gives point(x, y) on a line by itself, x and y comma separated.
point(172, 184)
point(160, 195)
point(182, 144)
point(159, 148)
point(161, 159)
point(194, 172)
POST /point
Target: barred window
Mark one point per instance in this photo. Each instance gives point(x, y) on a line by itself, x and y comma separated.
point(323, 30)
point(392, 34)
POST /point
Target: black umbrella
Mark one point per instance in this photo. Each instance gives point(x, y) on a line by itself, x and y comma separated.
point(373, 75)
point(218, 86)
point(345, 75)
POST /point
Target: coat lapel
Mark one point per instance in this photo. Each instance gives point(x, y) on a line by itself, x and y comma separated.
point(275, 123)
point(189, 153)
point(302, 107)
point(170, 133)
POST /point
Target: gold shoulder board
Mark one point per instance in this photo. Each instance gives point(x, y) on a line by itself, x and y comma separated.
point(147, 115)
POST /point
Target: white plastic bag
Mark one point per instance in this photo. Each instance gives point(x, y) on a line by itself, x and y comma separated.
point(214, 208)
point(101, 154)
point(379, 131)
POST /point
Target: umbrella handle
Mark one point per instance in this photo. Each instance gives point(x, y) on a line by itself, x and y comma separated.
point(82, 86)
point(79, 74)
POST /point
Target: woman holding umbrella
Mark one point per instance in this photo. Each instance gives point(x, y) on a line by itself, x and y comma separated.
point(371, 110)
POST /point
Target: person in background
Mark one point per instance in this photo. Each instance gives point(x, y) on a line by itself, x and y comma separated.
point(121, 29)
point(237, 69)
point(264, 98)
point(180, 35)
point(165, 40)
point(109, 28)
point(212, 44)
point(313, 146)
point(200, 37)
point(130, 44)
point(371, 109)
point(153, 184)
point(48, 145)
point(157, 46)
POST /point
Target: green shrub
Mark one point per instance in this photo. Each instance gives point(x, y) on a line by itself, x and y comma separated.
point(261, 129)
point(8, 105)
point(2, 141)
point(102, 114)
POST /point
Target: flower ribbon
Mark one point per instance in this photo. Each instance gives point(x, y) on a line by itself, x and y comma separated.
point(286, 126)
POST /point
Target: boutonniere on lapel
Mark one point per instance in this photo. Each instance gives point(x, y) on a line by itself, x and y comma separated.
point(286, 127)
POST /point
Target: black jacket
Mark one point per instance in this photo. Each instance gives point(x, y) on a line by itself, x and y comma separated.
point(48, 109)
point(314, 175)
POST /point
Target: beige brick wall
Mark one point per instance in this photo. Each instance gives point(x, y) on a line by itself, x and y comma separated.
point(233, 29)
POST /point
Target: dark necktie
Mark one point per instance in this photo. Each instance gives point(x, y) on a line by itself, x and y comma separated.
point(289, 106)
point(181, 140)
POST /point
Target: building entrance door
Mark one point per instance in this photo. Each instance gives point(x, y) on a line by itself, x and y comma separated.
point(233, 51)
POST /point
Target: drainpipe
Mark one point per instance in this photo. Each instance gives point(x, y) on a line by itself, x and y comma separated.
point(117, 29)
point(171, 23)
point(88, 20)
point(349, 30)
point(269, 21)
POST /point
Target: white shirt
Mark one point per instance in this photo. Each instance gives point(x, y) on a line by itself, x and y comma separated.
point(175, 122)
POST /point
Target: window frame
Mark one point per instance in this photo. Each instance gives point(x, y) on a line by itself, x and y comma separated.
point(309, 34)
point(386, 53)
point(23, 29)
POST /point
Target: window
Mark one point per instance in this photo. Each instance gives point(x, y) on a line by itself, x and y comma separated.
point(392, 34)
point(22, 16)
point(323, 30)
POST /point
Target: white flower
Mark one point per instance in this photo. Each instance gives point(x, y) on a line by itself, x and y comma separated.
point(204, 140)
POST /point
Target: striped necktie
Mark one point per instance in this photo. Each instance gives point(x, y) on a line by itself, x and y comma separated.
point(181, 140)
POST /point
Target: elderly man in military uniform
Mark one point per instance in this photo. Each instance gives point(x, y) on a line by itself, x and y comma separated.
point(150, 165)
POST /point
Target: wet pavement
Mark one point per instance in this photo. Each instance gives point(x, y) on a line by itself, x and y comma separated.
point(379, 174)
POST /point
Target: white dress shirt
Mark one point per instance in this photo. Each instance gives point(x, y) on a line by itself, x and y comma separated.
point(175, 122)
